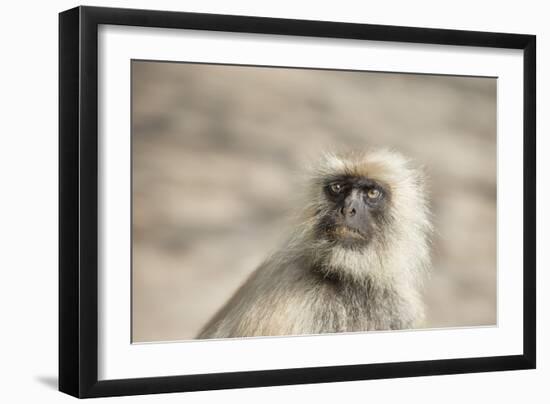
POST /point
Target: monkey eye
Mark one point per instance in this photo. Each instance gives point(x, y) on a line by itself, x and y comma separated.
point(373, 193)
point(336, 187)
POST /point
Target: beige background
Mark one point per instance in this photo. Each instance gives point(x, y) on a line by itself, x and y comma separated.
point(217, 156)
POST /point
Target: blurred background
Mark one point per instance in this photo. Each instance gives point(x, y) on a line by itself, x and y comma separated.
point(218, 152)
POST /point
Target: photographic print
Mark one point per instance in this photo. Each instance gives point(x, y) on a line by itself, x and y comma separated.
point(278, 201)
point(249, 201)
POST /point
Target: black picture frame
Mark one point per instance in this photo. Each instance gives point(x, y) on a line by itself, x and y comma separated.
point(78, 200)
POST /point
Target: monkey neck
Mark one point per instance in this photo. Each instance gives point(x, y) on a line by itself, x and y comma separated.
point(341, 279)
point(365, 269)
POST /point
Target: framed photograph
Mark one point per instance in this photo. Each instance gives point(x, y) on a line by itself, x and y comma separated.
point(250, 201)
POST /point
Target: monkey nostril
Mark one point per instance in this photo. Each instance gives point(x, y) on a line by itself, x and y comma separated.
point(350, 212)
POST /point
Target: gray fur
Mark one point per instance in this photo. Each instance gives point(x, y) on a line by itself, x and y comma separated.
point(311, 286)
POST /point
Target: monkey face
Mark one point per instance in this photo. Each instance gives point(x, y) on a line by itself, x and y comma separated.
point(356, 210)
point(365, 213)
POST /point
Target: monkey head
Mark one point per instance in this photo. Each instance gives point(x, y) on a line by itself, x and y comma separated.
point(367, 215)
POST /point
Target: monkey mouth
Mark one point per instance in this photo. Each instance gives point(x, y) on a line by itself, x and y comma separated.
point(345, 232)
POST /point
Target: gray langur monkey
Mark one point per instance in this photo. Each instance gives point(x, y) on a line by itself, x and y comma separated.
point(354, 263)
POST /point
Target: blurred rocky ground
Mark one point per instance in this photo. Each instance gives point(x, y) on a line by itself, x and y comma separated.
point(217, 156)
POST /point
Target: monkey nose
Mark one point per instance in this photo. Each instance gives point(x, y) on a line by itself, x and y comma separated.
point(348, 211)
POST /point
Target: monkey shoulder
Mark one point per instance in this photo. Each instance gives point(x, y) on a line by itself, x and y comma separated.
point(272, 301)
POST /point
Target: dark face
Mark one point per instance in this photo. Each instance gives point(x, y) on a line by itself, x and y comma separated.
point(357, 209)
